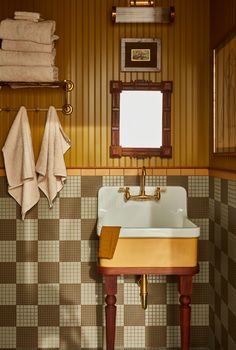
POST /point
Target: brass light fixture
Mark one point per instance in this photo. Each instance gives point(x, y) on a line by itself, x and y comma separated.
point(141, 3)
point(143, 11)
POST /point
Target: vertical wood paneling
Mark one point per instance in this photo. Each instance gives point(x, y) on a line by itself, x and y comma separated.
point(225, 14)
point(85, 81)
point(88, 52)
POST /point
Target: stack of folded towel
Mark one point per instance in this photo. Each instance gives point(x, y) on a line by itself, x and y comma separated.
point(28, 16)
point(27, 52)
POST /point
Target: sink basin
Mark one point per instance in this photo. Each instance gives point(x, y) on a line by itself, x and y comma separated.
point(164, 218)
point(153, 233)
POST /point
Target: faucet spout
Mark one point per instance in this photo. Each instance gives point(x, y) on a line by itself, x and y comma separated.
point(142, 196)
point(142, 182)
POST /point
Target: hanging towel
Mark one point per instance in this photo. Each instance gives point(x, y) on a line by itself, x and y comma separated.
point(29, 46)
point(18, 58)
point(51, 165)
point(41, 32)
point(19, 163)
point(28, 73)
point(107, 241)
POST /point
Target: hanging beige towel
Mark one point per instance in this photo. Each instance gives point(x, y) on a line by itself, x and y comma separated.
point(29, 46)
point(19, 163)
point(107, 241)
point(18, 58)
point(51, 165)
point(41, 32)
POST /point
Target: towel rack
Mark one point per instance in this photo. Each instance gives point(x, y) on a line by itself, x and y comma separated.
point(67, 86)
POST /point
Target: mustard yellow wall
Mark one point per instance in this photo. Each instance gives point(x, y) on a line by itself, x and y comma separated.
point(88, 53)
point(222, 22)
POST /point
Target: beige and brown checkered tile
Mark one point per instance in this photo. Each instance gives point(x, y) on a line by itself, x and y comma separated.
point(7, 230)
point(92, 315)
point(49, 315)
point(26, 251)
point(113, 181)
point(49, 294)
point(26, 294)
point(222, 264)
point(52, 296)
point(70, 338)
point(70, 251)
point(88, 229)
point(49, 337)
point(70, 230)
point(48, 229)
point(48, 272)
point(90, 186)
point(70, 208)
point(27, 230)
point(91, 337)
point(72, 187)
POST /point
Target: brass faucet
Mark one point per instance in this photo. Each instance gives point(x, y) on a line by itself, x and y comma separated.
point(142, 195)
point(142, 182)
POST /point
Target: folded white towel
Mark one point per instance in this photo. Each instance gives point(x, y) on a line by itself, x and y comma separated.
point(41, 32)
point(34, 15)
point(19, 163)
point(22, 18)
point(28, 73)
point(28, 46)
point(51, 165)
point(20, 58)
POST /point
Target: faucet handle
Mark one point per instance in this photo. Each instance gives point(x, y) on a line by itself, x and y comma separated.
point(158, 191)
point(123, 189)
point(126, 192)
point(162, 188)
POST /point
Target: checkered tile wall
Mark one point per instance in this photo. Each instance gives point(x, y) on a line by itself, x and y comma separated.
point(222, 264)
point(51, 296)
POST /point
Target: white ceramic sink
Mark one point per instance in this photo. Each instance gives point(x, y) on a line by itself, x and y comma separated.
point(165, 218)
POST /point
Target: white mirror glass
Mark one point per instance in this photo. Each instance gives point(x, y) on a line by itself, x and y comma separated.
point(141, 119)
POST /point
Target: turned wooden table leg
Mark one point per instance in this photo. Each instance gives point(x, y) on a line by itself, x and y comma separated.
point(110, 309)
point(185, 290)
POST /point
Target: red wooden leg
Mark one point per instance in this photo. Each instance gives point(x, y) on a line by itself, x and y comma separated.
point(110, 290)
point(185, 290)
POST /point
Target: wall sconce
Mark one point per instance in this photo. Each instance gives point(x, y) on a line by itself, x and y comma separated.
point(141, 3)
point(143, 11)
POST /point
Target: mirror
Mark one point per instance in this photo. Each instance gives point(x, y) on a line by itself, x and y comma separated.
point(141, 119)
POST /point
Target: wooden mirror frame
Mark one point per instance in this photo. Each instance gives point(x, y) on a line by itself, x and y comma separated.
point(116, 88)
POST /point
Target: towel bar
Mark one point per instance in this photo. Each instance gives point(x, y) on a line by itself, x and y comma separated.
point(67, 86)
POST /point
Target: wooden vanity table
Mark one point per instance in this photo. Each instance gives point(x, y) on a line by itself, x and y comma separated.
point(184, 274)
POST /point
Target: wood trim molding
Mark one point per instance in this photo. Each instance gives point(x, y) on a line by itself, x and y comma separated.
point(223, 174)
point(182, 271)
point(133, 172)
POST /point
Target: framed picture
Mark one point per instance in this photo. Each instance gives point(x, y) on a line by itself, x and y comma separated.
point(140, 55)
point(224, 97)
